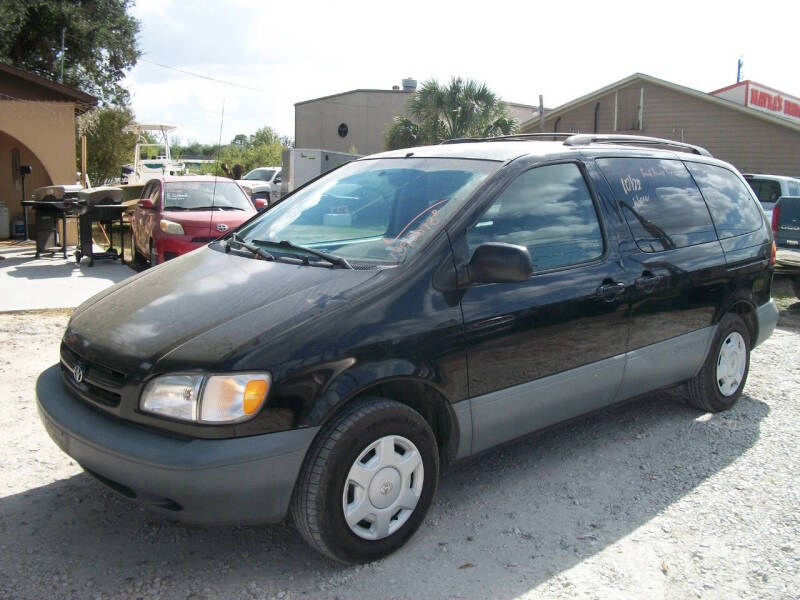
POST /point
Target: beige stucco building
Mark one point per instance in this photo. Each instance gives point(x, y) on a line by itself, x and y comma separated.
point(365, 114)
point(37, 128)
point(752, 140)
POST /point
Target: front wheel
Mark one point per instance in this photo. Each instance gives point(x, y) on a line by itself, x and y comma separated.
point(153, 255)
point(367, 482)
point(721, 379)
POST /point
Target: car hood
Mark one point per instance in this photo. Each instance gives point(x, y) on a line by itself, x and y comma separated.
point(203, 306)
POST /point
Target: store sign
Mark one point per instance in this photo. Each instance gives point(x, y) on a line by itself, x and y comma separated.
point(773, 102)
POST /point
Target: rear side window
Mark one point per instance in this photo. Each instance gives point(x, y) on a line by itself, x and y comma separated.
point(793, 187)
point(661, 203)
point(550, 211)
point(767, 190)
point(732, 206)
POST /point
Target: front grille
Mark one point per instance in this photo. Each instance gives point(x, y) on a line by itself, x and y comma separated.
point(100, 384)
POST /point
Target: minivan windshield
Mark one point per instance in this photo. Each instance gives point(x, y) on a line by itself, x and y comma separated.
point(376, 211)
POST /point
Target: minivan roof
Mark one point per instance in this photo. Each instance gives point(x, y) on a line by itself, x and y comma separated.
point(511, 149)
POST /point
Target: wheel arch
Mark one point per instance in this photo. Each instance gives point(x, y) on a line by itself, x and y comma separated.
point(421, 395)
point(746, 310)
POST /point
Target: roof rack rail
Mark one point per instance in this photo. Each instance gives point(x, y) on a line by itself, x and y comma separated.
point(584, 139)
point(515, 137)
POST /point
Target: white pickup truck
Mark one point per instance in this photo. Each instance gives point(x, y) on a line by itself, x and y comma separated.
point(262, 182)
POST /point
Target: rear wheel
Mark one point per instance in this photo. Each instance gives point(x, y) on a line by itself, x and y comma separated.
point(367, 482)
point(721, 379)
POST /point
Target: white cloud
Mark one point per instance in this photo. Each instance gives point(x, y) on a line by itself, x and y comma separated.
point(298, 51)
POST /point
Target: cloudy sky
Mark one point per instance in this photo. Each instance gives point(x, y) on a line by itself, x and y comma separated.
point(279, 53)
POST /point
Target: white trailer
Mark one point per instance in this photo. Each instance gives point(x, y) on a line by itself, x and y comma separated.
point(303, 164)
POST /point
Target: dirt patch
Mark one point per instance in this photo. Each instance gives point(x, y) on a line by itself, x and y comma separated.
point(652, 499)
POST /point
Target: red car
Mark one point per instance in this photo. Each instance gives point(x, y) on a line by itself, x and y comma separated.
point(175, 215)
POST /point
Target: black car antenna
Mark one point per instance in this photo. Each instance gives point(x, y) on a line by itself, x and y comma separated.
point(216, 166)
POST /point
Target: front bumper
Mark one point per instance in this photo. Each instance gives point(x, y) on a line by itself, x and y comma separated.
point(240, 480)
point(171, 246)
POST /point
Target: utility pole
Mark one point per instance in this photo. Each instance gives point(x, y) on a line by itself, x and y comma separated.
point(61, 77)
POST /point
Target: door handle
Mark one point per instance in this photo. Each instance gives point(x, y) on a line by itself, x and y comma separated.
point(610, 291)
point(647, 282)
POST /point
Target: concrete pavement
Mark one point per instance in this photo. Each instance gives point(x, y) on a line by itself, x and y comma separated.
point(28, 283)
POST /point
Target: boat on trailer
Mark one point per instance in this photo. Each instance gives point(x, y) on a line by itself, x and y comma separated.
point(150, 159)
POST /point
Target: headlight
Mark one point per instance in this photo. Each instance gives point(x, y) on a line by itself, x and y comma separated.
point(172, 227)
point(207, 398)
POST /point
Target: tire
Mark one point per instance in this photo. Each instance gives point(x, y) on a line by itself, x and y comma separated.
point(374, 440)
point(153, 255)
point(796, 287)
point(721, 379)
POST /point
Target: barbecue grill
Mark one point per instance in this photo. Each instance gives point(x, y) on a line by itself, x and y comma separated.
point(51, 203)
point(100, 205)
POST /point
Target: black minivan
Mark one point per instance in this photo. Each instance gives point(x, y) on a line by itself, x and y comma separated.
point(330, 356)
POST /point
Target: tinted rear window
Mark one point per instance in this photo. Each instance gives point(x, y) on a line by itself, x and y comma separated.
point(732, 207)
point(767, 190)
point(660, 201)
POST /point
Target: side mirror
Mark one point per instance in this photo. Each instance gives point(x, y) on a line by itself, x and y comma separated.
point(277, 179)
point(261, 204)
point(146, 203)
point(495, 262)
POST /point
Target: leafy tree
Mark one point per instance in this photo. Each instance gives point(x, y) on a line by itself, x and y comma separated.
point(463, 108)
point(100, 42)
point(263, 148)
point(108, 145)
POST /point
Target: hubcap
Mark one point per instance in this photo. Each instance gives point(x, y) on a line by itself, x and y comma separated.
point(383, 487)
point(731, 363)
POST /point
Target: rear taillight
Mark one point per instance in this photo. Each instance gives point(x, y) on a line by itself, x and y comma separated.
point(776, 219)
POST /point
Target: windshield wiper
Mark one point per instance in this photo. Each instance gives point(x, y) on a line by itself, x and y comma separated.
point(235, 239)
point(331, 258)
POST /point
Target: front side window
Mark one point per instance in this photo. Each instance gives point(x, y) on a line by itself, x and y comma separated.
point(550, 211)
point(378, 211)
point(660, 201)
point(731, 204)
point(205, 195)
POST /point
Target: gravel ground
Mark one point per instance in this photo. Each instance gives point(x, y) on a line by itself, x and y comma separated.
point(649, 500)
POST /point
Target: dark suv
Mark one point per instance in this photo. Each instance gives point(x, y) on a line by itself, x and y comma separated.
point(405, 311)
point(786, 229)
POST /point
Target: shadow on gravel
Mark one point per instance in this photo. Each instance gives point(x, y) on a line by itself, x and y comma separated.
point(518, 516)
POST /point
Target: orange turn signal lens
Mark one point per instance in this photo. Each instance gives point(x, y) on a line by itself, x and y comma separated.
point(255, 393)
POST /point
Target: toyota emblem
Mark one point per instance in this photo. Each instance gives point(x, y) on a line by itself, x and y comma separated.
point(222, 227)
point(77, 373)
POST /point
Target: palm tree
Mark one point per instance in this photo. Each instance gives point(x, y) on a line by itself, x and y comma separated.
point(464, 108)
